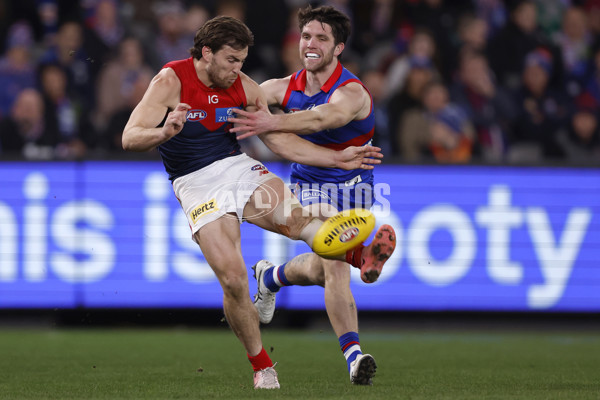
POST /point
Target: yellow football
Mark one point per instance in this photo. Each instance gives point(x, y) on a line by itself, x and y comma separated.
point(342, 232)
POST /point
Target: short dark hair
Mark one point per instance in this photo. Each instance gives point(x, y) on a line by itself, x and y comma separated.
point(221, 31)
point(339, 22)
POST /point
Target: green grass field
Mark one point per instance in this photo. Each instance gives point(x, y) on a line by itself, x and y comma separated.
point(210, 364)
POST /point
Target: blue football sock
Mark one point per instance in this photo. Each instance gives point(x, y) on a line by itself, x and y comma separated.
point(350, 345)
point(274, 278)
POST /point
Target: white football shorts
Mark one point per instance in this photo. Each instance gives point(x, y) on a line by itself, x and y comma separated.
point(225, 186)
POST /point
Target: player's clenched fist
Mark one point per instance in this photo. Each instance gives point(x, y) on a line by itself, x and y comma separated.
point(175, 119)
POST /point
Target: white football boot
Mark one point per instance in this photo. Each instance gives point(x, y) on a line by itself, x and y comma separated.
point(264, 299)
point(266, 378)
point(362, 370)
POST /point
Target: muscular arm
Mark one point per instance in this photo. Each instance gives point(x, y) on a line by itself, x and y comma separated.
point(296, 149)
point(347, 103)
point(141, 132)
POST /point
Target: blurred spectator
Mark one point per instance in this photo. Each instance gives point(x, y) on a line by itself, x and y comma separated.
point(487, 105)
point(117, 80)
point(70, 53)
point(374, 80)
point(409, 98)
point(66, 117)
point(196, 15)
point(231, 8)
point(441, 19)
point(472, 37)
point(113, 131)
point(269, 28)
point(592, 12)
point(473, 33)
point(451, 135)
point(17, 68)
point(171, 42)
point(421, 51)
point(574, 41)
point(493, 12)
point(290, 54)
point(140, 19)
point(48, 13)
point(105, 28)
point(508, 49)
point(581, 141)
point(375, 23)
point(592, 85)
point(23, 132)
point(440, 131)
point(541, 112)
point(550, 15)
point(104, 21)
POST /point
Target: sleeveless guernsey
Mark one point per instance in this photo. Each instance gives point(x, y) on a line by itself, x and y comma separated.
point(355, 133)
point(205, 137)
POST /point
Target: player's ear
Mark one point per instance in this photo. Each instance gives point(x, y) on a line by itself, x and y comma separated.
point(338, 49)
point(206, 53)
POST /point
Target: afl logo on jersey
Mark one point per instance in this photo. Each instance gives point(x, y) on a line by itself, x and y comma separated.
point(196, 115)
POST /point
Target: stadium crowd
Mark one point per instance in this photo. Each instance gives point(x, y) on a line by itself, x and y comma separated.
point(453, 81)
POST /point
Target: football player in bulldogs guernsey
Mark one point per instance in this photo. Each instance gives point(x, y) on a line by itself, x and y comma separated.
point(184, 113)
point(328, 106)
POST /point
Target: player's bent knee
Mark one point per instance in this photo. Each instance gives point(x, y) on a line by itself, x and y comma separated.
point(234, 284)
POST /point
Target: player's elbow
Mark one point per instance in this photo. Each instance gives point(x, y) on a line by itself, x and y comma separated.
point(129, 144)
point(126, 143)
point(275, 142)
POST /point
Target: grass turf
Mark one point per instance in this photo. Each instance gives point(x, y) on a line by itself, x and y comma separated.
point(211, 364)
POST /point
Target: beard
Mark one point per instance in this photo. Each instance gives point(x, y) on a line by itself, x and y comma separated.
point(217, 80)
point(325, 61)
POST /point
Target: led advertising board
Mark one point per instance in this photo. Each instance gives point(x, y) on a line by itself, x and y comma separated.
point(112, 234)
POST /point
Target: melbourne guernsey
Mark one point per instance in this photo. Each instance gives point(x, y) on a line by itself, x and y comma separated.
point(205, 137)
point(355, 133)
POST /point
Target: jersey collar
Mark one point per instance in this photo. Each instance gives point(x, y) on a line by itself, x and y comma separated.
point(299, 83)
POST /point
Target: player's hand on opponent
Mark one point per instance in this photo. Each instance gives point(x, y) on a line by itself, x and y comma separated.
point(176, 119)
point(252, 123)
point(363, 157)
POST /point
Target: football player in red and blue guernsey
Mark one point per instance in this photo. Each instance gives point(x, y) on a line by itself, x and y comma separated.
point(329, 106)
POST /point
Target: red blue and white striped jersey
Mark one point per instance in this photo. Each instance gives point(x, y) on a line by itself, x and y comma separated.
point(355, 133)
point(205, 137)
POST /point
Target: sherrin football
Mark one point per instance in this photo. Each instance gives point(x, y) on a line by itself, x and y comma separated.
point(343, 231)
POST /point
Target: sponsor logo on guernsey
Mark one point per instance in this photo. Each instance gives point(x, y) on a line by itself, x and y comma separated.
point(223, 114)
point(353, 181)
point(294, 110)
point(343, 227)
point(204, 209)
point(196, 115)
point(314, 194)
point(262, 170)
point(349, 234)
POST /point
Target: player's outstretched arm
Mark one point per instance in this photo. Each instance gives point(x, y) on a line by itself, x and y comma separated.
point(296, 149)
point(346, 104)
point(142, 132)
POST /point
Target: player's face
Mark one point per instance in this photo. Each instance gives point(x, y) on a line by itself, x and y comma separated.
point(225, 65)
point(317, 46)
